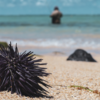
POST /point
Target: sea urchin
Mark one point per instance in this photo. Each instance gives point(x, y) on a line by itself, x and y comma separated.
point(20, 73)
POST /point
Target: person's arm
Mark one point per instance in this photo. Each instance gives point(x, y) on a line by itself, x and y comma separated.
point(54, 13)
point(51, 15)
point(60, 14)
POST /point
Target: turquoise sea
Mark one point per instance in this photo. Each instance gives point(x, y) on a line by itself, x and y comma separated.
point(37, 33)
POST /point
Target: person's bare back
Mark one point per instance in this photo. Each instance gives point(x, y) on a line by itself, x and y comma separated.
point(56, 15)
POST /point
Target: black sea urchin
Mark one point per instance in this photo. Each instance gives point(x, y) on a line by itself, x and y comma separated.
point(19, 73)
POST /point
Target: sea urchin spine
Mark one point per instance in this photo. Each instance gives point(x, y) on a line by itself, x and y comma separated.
point(20, 73)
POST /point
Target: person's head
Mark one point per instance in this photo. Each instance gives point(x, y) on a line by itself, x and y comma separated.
point(56, 8)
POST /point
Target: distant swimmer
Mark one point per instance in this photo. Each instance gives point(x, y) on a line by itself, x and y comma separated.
point(56, 16)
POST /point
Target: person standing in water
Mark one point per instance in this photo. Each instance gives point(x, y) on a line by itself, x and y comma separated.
point(56, 16)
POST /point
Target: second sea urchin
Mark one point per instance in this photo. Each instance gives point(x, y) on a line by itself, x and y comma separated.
point(20, 73)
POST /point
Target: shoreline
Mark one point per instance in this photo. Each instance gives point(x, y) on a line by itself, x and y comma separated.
point(57, 51)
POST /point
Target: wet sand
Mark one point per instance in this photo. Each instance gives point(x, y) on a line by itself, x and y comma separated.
point(64, 74)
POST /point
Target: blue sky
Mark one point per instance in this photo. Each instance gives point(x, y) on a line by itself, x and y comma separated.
point(20, 7)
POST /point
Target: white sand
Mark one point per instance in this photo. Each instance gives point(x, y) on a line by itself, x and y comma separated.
point(64, 74)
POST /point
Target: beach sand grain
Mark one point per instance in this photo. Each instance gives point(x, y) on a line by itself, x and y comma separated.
point(64, 74)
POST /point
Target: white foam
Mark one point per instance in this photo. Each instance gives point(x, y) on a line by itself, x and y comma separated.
point(60, 43)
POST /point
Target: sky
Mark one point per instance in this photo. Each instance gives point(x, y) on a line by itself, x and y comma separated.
point(34, 7)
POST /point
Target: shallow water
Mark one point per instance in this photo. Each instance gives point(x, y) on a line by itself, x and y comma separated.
point(33, 32)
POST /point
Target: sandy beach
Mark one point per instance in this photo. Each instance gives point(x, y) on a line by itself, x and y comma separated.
point(28, 24)
point(65, 74)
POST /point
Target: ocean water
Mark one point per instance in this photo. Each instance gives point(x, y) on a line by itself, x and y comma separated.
point(38, 34)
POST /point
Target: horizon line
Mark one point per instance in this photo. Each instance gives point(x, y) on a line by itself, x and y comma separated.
point(46, 14)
